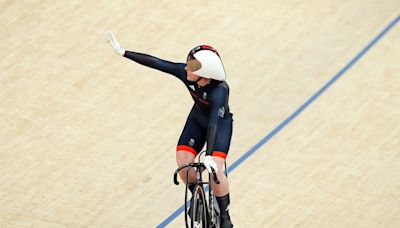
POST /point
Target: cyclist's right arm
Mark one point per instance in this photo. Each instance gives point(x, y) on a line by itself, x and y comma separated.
point(176, 69)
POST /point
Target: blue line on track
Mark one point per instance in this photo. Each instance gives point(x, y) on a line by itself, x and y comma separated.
point(295, 114)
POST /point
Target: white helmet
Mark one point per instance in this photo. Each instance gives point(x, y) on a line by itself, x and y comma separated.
point(209, 64)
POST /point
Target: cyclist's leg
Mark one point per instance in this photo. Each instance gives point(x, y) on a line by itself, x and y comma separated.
point(222, 188)
point(190, 143)
point(184, 156)
point(221, 191)
point(220, 153)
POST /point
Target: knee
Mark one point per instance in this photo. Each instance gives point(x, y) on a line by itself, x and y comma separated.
point(184, 157)
point(220, 163)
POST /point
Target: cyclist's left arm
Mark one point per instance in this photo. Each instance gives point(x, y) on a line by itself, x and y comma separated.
point(218, 110)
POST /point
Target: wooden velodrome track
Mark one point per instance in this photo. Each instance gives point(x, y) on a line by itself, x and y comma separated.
point(87, 138)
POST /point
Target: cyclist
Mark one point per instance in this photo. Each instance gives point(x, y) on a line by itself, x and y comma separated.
point(209, 120)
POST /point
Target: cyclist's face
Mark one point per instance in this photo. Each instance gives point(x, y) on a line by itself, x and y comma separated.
point(190, 75)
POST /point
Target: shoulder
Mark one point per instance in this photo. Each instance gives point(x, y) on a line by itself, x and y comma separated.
point(177, 66)
point(220, 91)
point(222, 87)
point(180, 71)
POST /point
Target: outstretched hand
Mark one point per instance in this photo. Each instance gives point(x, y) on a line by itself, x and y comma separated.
point(114, 43)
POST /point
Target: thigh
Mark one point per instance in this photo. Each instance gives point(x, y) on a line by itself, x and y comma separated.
point(193, 136)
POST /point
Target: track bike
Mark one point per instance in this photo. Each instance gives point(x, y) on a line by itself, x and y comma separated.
point(204, 210)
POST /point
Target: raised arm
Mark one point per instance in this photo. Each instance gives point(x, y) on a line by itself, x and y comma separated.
point(150, 61)
point(176, 69)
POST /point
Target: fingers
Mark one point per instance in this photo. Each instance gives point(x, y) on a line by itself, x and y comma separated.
point(207, 165)
point(208, 168)
point(211, 164)
point(114, 43)
point(111, 38)
point(215, 166)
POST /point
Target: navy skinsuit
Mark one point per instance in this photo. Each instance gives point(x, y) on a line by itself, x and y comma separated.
point(209, 120)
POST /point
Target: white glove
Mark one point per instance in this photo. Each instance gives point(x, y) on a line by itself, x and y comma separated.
point(114, 43)
point(210, 163)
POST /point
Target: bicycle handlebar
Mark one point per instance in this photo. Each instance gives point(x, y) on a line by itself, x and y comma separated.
point(197, 165)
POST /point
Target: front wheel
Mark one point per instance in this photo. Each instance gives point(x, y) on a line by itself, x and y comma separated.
point(199, 211)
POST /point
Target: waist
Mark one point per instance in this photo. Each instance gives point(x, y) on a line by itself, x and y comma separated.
point(205, 111)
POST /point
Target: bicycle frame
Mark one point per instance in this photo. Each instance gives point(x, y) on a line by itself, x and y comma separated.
point(199, 167)
point(210, 193)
